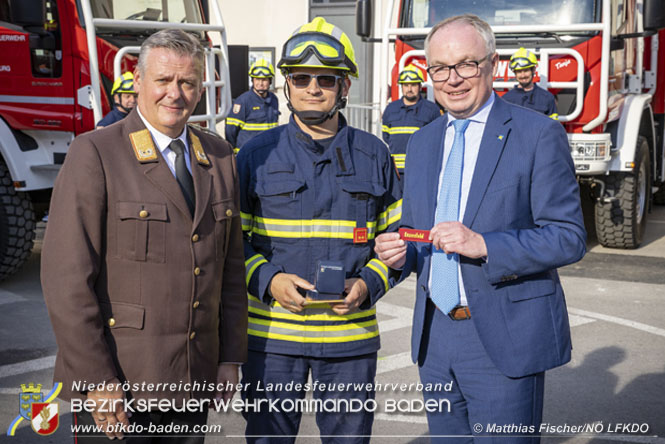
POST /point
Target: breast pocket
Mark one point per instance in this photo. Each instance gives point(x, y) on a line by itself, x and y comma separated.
point(141, 231)
point(223, 211)
point(361, 202)
point(280, 192)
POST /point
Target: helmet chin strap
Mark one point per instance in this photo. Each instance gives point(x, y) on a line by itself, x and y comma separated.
point(311, 118)
point(122, 108)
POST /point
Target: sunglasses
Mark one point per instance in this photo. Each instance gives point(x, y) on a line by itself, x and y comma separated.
point(325, 81)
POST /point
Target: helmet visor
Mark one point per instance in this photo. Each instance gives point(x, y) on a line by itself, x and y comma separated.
point(260, 71)
point(521, 63)
point(125, 87)
point(409, 77)
point(328, 50)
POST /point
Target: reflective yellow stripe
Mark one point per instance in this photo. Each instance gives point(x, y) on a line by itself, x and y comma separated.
point(381, 269)
point(385, 129)
point(234, 122)
point(313, 228)
point(251, 264)
point(392, 214)
point(235, 150)
point(554, 116)
point(246, 221)
point(313, 328)
point(309, 314)
point(326, 340)
point(401, 129)
point(400, 160)
point(258, 126)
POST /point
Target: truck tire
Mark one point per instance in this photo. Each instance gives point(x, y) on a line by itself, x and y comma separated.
point(17, 225)
point(621, 222)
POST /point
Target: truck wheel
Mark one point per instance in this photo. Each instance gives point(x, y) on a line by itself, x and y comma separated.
point(17, 225)
point(621, 222)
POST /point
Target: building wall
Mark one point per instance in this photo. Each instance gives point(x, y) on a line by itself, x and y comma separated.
point(264, 23)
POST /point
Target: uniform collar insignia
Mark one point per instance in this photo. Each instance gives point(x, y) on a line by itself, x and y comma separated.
point(198, 149)
point(144, 149)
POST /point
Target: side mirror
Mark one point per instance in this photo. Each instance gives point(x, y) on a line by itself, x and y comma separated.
point(364, 18)
point(654, 15)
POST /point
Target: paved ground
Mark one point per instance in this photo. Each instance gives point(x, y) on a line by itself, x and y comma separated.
point(616, 303)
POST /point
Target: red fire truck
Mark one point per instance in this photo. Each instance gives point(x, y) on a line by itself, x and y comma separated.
point(59, 59)
point(600, 58)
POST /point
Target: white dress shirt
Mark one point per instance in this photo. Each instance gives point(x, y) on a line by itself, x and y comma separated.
point(163, 141)
point(472, 137)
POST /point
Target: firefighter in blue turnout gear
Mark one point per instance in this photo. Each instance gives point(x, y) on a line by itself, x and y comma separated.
point(404, 117)
point(124, 99)
point(254, 111)
point(314, 190)
point(526, 93)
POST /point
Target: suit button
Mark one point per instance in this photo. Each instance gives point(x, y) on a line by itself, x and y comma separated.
point(111, 322)
point(143, 214)
point(192, 336)
point(197, 271)
point(196, 304)
point(229, 213)
point(195, 238)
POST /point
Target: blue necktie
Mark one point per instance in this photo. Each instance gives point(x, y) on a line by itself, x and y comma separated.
point(445, 287)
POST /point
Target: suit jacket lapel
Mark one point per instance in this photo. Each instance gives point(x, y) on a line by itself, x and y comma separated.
point(491, 146)
point(433, 171)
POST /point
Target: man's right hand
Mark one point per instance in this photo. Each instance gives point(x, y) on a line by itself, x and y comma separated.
point(109, 409)
point(391, 250)
point(284, 288)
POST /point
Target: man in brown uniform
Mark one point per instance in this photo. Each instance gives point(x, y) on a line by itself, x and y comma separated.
point(142, 264)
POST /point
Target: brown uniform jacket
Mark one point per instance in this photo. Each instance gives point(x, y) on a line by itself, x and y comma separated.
point(134, 288)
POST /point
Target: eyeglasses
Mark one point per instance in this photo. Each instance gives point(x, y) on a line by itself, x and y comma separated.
point(466, 70)
point(325, 81)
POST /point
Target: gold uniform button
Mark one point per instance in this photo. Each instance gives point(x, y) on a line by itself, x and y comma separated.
point(192, 336)
point(197, 271)
point(111, 322)
point(196, 304)
point(229, 213)
point(195, 238)
point(143, 214)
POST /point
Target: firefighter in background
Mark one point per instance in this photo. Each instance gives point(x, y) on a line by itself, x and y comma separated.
point(526, 93)
point(314, 190)
point(255, 110)
point(406, 116)
point(124, 99)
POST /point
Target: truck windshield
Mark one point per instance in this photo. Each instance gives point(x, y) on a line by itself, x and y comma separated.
point(426, 13)
point(175, 11)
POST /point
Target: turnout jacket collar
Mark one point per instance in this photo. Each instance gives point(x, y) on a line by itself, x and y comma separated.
point(339, 151)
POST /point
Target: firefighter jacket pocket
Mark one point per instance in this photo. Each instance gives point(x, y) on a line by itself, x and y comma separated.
point(280, 192)
point(362, 201)
point(223, 211)
point(141, 231)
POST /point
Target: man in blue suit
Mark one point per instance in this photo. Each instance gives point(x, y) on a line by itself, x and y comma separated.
point(498, 192)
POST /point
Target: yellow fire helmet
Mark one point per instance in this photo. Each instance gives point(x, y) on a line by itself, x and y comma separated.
point(124, 84)
point(523, 59)
point(262, 69)
point(319, 44)
point(410, 74)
